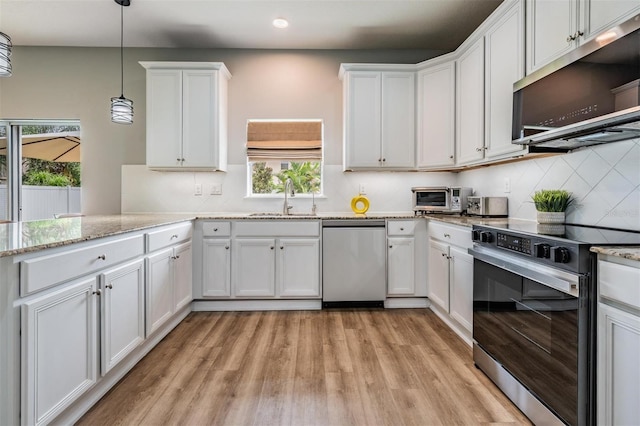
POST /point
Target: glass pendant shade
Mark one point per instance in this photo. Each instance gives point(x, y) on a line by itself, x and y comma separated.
point(122, 110)
point(5, 53)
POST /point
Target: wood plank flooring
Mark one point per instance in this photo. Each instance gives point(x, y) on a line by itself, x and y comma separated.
point(329, 367)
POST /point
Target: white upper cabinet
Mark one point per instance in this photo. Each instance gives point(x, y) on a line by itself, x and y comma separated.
point(379, 118)
point(504, 65)
point(556, 27)
point(186, 115)
point(470, 104)
point(436, 114)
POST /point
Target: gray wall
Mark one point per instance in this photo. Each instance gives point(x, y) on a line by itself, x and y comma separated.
point(78, 83)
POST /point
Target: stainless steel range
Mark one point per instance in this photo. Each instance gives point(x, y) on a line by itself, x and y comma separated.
point(534, 301)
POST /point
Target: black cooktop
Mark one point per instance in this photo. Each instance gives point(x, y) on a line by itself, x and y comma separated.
point(578, 234)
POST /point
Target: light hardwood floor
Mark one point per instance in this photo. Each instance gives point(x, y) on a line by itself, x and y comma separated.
point(329, 367)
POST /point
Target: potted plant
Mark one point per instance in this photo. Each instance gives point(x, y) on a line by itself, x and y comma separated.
point(552, 204)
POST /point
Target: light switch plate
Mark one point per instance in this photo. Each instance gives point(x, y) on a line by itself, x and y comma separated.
point(507, 185)
point(216, 189)
point(198, 189)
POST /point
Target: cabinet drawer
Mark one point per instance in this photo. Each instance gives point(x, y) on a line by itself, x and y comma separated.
point(451, 234)
point(283, 228)
point(216, 229)
point(400, 227)
point(165, 237)
point(620, 283)
point(45, 271)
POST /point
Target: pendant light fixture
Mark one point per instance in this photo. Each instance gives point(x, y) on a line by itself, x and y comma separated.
point(121, 107)
point(5, 53)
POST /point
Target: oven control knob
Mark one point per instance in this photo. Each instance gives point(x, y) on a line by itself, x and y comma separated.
point(560, 254)
point(475, 235)
point(542, 250)
point(486, 237)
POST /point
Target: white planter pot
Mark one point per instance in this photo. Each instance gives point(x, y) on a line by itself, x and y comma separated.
point(550, 217)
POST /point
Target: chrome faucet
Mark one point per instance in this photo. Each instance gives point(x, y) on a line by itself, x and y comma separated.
point(288, 190)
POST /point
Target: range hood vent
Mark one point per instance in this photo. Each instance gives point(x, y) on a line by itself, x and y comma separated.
point(589, 96)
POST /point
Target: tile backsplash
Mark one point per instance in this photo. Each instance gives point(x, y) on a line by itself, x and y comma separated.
point(605, 181)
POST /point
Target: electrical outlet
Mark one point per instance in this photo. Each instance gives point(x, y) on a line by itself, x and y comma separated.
point(198, 189)
point(507, 185)
point(216, 189)
point(362, 189)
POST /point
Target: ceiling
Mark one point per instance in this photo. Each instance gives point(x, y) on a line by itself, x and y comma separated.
point(314, 24)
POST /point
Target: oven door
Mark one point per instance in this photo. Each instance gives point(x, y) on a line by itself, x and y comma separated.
point(435, 200)
point(527, 317)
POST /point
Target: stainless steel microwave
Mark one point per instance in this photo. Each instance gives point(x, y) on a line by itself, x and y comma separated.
point(440, 199)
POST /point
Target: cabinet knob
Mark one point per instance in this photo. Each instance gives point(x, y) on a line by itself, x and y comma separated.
point(451, 157)
point(215, 229)
point(182, 159)
point(390, 246)
point(384, 159)
point(281, 247)
point(570, 38)
point(102, 257)
point(272, 247)
point(174, 236)
point(578, 34)
point(402, 229)
point(444, 254)
point(379, 160)
point(226, 247)
point(178, 160)
point(447, 236)
point(97, 292)
point(110, 286)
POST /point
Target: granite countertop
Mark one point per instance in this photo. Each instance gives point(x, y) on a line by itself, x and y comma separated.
point(26, 237)
point(628, 252)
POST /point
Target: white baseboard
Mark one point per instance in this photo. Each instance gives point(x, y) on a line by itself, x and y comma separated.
point(406, 302)
point(256, 305)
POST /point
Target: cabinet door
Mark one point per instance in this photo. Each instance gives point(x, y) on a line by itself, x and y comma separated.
point(470, 104)
point(363, 120)
point(398, 120)
point(461, 290)
point(122, 319)
point(504, 61)
point(164, 118)
point(401, 266)
point(299, 267)
point(254, 267)
point(182, 272)
point(618, 366)
point(436, 116)
point(159, 289)
point(59, 350)
point(549, 23)
point(216, 267)
point(200, 111)
point(438, 274)
point(601, 15)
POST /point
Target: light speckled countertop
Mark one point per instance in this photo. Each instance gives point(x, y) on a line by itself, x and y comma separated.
point(631, 253)
point(25, 237)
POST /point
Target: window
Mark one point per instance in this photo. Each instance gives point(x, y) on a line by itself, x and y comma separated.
point(39, 169)
point(281, 150)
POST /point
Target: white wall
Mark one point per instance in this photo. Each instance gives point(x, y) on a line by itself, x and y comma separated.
point(50, 82)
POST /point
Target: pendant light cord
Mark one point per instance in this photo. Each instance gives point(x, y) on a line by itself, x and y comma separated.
point(122, 51)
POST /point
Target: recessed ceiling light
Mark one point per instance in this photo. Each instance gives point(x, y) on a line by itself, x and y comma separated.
point(280, 23)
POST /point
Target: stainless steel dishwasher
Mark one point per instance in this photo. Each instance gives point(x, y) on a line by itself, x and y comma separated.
point(354, 272)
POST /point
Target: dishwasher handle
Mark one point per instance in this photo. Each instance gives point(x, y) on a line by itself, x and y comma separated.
point(353, 223)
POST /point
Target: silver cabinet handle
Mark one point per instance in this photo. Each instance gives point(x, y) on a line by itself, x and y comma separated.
point(570, 38)
point(97, 292)
point(102, 257)
point(109, 286)
point(215, 229)
point(447, 236)
point(174, 236)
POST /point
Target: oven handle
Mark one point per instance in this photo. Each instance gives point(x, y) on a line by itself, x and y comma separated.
point(536, 273)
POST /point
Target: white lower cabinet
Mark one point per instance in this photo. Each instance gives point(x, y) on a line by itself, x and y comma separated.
point(618, 381)
point(122, 325)
point(254, 267)
point(401, 266)
point(169, 286)
point(276, 267)
point(216, 267)
point(450, 276)
point(59, 350)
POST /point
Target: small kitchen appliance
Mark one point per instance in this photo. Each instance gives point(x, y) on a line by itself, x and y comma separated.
point(534, 315)
point(488, 206)
point(440, 199)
